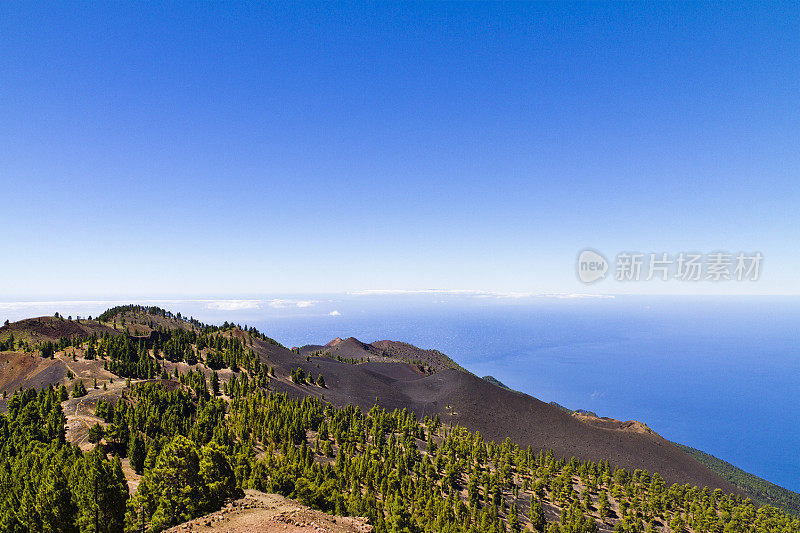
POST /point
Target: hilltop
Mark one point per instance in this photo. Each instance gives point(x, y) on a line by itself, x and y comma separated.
point(353, 350)
point(494, 381)
point(52, 328)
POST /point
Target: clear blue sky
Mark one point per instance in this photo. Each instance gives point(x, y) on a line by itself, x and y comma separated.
point(221, 150)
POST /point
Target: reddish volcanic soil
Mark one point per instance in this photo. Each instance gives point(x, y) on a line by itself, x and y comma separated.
point(258, 512)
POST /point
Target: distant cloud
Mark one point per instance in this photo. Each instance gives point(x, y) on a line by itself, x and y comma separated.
point(219, 305)
point(335, 313)
point(232, 305)
point(283, 304)
point(417, 291)
point(33, 305)
point(476, 292)
point(578, 295)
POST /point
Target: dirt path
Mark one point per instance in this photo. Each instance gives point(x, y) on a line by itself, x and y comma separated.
point(80, 411)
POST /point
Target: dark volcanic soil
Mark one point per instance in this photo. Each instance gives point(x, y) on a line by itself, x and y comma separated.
point(467, 400)
point(20, 370)
point(48, 328)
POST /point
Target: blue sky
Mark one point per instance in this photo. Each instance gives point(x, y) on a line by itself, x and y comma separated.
point(230, 149)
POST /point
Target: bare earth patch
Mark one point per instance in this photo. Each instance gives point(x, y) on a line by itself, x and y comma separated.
point(259, 512)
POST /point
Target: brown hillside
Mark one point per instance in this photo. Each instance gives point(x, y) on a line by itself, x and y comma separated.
point(49, 328)
point(609, 423)
point(459, 397)
point(350, 348)
point(25, 370)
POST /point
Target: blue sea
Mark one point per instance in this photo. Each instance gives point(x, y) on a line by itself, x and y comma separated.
point(720, 374)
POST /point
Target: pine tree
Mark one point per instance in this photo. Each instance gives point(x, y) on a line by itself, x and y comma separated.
point(96, 433)
point(79, 390)
point(137, 452)
point(170, 492)
point(513, 520)
point(217, 475)
point(603, 504)
point(215, 383)
point(398, 519)
point(538, 521)
point(54, 503)
point(101, 493)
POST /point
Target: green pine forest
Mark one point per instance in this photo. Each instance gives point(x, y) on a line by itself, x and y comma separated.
point(762, 490)
point(197, 443)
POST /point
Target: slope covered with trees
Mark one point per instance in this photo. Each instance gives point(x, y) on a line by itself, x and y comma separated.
point(47, 484)
point(208, 411)
point(759, 489)
point(404, 474)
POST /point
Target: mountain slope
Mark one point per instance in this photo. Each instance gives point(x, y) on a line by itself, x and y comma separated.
point(51, 328)
point(399, 375)
point(757, 488)
point(472, 402)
